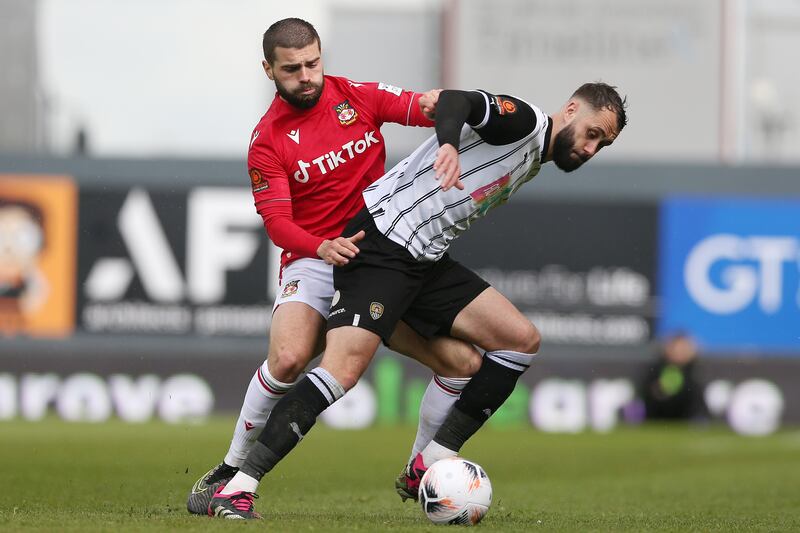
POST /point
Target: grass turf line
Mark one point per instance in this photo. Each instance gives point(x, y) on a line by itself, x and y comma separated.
point(119, 477)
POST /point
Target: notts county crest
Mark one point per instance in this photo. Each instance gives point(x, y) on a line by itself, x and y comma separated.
point(375, 310)
point(345, 113)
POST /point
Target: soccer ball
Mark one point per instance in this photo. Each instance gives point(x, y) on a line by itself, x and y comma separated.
point(455, 491)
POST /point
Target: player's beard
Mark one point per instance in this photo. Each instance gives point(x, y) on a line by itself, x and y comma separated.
point(297, 98)
point(564, 155)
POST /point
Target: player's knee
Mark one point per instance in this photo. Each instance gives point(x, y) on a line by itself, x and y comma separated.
point(286, 364)
point(525, 338)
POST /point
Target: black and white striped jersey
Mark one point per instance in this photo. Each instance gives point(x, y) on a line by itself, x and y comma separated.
point(410, 208)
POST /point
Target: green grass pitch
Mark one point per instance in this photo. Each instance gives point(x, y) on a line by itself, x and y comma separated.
point(117, 477)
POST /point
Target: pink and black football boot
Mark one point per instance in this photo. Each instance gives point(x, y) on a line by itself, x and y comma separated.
point(208, 484)
point(236, 506)
point(407, 483)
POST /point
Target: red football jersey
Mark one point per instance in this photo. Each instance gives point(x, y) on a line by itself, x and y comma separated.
point(308, 167)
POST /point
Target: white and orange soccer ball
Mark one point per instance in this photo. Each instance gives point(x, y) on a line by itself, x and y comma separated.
point(455, 491)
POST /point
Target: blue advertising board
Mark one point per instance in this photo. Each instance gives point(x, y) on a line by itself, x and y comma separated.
point(729, 273)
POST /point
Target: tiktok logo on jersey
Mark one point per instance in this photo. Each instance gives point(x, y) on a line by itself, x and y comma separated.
point(332, 159)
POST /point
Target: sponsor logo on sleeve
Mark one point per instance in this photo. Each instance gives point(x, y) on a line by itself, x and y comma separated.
point(257, 180)
point(505, 106)
point(390, 88)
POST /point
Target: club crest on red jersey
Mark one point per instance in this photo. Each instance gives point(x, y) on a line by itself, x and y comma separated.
point(345, 113)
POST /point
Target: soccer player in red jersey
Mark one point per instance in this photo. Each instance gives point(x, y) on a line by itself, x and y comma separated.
point(311, 155)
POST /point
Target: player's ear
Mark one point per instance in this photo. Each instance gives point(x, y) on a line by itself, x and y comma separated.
point(571, 109)
point(268, 69)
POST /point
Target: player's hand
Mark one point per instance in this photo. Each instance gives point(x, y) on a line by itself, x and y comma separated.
point(339, 251)
point(447, 168)
point(427, 103)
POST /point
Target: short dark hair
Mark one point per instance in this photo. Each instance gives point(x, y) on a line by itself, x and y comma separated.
point(288, 33)
point(604, 96)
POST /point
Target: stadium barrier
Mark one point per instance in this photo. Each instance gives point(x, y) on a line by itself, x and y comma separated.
point(554, 396)
point(118, 285)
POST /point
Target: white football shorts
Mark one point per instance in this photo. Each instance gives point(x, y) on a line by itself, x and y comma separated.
point(309, 281)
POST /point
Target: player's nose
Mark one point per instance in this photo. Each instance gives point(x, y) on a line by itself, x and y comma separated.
point(589, 149)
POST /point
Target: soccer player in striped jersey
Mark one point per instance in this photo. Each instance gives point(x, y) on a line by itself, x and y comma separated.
point(486, 146)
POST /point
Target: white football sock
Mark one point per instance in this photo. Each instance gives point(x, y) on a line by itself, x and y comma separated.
point(439, 397)
point(263, 393)
point(434, 452)
point(240, 482)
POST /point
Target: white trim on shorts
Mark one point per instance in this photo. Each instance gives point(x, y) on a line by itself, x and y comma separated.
point(309, 281)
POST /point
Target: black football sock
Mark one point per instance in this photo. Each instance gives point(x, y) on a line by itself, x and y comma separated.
point(484, 394)
point(293, 416)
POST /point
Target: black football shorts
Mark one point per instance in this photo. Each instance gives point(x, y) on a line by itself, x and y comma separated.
point(384, 284)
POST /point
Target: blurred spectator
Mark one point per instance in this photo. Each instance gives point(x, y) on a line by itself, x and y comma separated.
point(670, 389)
point(81, 142)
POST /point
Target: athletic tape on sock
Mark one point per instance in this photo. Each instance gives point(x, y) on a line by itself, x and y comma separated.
point(456, 430)
point(259, 461)
point(514, 360)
